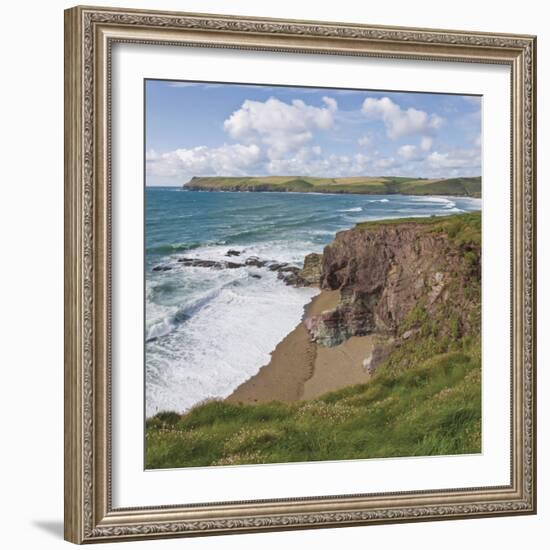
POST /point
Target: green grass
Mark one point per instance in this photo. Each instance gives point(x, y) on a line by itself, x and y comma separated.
point(433, 408)
point(462, 229)
point(470, 187)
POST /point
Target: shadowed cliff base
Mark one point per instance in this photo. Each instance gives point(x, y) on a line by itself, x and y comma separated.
point(405, 295)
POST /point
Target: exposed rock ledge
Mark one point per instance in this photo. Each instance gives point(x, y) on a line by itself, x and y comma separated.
point(389, 272)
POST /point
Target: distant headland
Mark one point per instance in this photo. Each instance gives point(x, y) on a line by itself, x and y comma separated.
point(370, 185)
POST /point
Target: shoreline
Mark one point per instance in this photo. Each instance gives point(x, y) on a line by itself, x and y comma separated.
point(302, 369)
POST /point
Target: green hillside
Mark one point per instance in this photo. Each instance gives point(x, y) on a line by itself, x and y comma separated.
point(467, 187)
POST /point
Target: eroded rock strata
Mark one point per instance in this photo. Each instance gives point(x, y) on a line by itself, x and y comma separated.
point(395, 279)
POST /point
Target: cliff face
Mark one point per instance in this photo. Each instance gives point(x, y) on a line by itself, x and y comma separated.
point(312, 271)
point(395, 277)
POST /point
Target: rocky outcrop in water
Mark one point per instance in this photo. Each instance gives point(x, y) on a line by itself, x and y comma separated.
point(197, 262)
point(289, 274)
point(393, 278)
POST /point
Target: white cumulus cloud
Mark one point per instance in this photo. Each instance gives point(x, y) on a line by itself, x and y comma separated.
point(385, 163)
point(416, 152)
point(282, 127)
point(457, 158)
point(233, 159)
point(426, 143)
point(408, 152)
point(312, 161)
point(400, 122)
point(331, 103)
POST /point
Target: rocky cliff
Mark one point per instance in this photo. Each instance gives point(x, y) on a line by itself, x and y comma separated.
point(400, 278)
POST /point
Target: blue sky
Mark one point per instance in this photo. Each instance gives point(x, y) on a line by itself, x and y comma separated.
point(207, 129)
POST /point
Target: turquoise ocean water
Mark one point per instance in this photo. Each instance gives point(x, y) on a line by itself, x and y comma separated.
point(208, 330)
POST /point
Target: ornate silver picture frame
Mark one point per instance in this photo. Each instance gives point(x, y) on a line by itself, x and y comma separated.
point(90, 35)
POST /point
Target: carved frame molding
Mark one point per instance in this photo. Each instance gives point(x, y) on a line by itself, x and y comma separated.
point(89, 36)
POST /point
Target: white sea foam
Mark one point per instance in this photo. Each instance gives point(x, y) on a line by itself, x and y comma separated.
point(379, 200)
point(429, 199)
point(453, 210)
point(356, 209)
point(470, 203)
point(443, 201)
point(228, 325)
point(240, 326)
point(172, 316)
point(321, 232)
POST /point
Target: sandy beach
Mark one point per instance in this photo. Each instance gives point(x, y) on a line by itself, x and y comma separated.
point(301, 369)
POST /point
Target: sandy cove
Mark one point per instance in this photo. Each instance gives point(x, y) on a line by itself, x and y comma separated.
point(301, 369)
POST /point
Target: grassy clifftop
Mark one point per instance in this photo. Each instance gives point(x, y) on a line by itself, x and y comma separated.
point(460, 228)
point(468, 187)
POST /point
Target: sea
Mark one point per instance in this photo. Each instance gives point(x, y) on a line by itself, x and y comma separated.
point(208, 330)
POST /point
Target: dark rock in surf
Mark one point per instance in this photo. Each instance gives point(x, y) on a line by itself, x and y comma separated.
point(291, 276)
point(276, 266)
point(254, 261)
point(197, 262)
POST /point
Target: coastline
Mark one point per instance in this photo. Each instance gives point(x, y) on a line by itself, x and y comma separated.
point(302, 369)
point(466, 186)
point(311, 402)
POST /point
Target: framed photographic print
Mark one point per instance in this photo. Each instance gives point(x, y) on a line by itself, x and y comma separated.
point(300, 274)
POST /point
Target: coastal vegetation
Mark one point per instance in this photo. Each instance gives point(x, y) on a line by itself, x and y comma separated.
point(464, 186)
point(416, 284)
point(430, 408)
point(462, 229)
